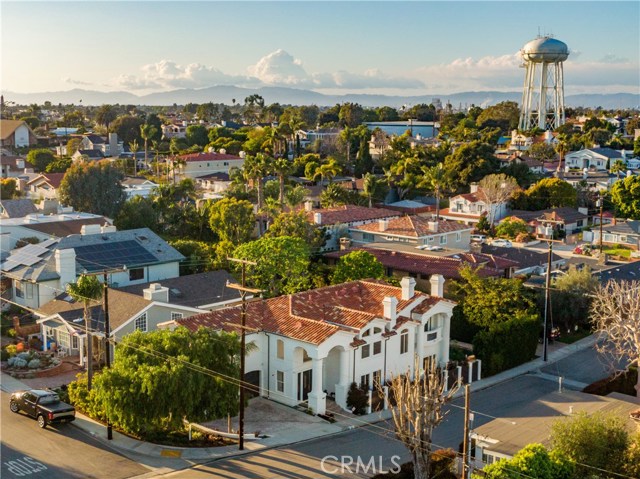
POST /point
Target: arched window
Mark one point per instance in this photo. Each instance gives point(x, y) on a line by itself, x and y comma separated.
point(377, 330)
point(366, 333)
point(280, 348)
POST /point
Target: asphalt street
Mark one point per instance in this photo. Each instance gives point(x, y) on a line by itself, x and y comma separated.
point(57, 452)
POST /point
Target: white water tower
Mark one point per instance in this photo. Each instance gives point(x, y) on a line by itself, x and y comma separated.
point(543, 93)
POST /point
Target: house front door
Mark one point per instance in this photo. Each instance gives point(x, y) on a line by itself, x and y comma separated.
point(304, 384)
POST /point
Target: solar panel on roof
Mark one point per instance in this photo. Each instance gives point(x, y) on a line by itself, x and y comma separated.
point(128, 253)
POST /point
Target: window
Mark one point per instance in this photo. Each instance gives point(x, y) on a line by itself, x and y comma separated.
point(366, 351)
point(175, 316)
point(366, 333)
point(458, 236)
point(404, 342)
point(141, 322)
point(19, 291)
point(368, 237)
point(431, 324)
point(364, 381)
point(377, 347)
point(280, 381)
point(377, 330)
point(443, 239)
point(136, 274)
point(74, 342)
point(280, 348)
point(63, 339)
point(580, 223)
point(305, 356)
point(430, 239)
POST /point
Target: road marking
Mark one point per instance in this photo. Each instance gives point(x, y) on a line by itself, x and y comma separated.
point(24, 467)
point(170, 453)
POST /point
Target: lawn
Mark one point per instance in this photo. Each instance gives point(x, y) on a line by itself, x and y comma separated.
point(622, 252)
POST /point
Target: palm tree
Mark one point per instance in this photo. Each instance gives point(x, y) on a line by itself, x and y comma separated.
point(296, 196)
point(256, 168)
point(561, 148)
point(86, 290)
point(282, 167)
point(617, 167)
point(435, 179)
point(370, 186)
point(134, 147)
point(328, 170)
point(147, 132)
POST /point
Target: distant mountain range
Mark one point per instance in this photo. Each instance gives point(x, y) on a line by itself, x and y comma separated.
point(292, 96)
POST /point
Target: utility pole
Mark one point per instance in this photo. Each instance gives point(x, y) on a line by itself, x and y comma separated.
point(600, 203)
point(243, 319)
point(107, 334)
point(547, 300)
point(466, 445)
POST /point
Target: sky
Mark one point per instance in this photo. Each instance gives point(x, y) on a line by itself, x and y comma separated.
point(412, 48)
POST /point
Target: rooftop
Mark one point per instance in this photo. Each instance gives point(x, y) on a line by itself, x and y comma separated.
point(414, 226)
point(350, 214)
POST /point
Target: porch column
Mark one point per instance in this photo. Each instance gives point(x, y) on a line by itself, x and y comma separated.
point(343, 385)
point(81, 345)
point(317, 396)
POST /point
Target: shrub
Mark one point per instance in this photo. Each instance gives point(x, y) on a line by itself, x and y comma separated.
point(25, 355)
point(85, 400)
point(442, 464)
point(34, 364)
point(4, 355)
point(12, 349)
point(17, 362)
point(12, 333)
point(357, 399)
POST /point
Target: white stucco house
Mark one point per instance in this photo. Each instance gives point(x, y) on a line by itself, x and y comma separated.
point(592, 158)
point(16, 133)
point(470, 207)
point(311, 346)
point(138, 186)
point(200, 164)
point(39, 272)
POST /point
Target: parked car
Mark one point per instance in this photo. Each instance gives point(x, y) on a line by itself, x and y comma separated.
point(428, 247)
point(501, 242)
point(478, 238)
point(43, 405)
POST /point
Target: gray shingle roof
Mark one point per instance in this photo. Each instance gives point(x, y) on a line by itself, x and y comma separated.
point(17, 208)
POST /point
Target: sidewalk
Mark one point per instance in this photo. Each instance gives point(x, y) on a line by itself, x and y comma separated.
point(292, 433)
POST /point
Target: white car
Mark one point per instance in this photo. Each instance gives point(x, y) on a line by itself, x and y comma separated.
point(429, 247)
point(503, 243)
point(478, 238)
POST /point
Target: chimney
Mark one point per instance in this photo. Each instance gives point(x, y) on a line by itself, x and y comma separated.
point(308, 205)
point(156, 292)
point(49, 206)
point(389, 304)
point(113, 144)
point(408, 285)
point(383, 224)
point(107, 228)
point(437, 285)
point(475, 248)
point(19, 163)
point(90, 230)
point(433, 226)
point(317, 218)
point(345, 243)
point(474, 187)
point(66, 266)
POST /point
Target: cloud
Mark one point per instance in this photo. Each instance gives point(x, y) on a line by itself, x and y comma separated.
point(167, 74)
point(71, 81)
point(280, 68)
point(612, 58)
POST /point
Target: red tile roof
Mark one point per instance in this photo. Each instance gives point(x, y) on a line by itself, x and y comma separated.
point(426, 265)
point(414, 226)
point(310, 316)
point(350, 214)
point(208, 157)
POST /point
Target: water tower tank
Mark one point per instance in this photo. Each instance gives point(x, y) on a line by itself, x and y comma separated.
point(545, 49)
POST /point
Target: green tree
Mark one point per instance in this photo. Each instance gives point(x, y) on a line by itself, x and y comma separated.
point(504, 115)
point(470, 162)
point(200, 256)
point(282, 264)
point(436, 179)
point(282, 167)
point(138, 212)
point(86, 291)
point(162, 377)
point(546, 193)
point(357, 265)
point(146, 133)
point(534, 462)
point(134, 147)
point(127, 128)
point(197, 135)
point(632, 456)
point(40, 158)
point(618, 166)
point(8, 188)
point(598, 440)
point(371, 187)
point(542, 151)
point(511, 227)
point(232, 220)
point(350, 115)
point(105, 115)
point(488, 302)
point(59, 165)
point(571, 297)
point(296, 224)
point(94, 187)
point(625, 195)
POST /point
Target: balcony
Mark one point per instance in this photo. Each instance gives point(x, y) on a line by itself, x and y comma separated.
point(433, 336)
